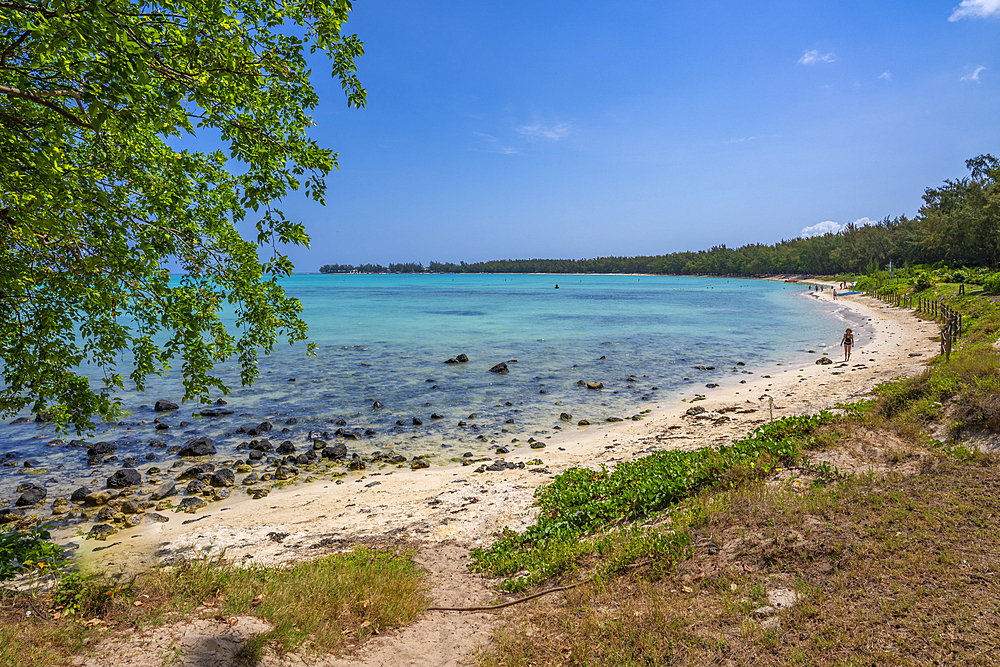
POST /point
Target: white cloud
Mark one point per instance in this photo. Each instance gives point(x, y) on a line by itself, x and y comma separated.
point(975, 75)
point(975, 9)
point(554, 132)
point(495, 145)
point(813, 57)
point(886, 75)
point(826, 227)
point(831, 227)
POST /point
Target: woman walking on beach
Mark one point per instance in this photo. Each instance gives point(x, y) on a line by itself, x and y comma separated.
point(848, 343)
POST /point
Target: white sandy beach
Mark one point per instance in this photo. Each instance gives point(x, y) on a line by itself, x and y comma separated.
point(455, 504)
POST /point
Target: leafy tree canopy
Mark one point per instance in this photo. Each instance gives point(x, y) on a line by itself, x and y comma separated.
point(96, 203)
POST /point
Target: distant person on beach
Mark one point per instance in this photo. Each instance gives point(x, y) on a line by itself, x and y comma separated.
point(848, 343)
point(834, 293)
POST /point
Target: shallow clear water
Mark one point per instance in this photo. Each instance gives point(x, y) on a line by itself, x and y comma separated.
point(385, 338)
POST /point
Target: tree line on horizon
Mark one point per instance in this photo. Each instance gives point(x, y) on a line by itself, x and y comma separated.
point(957, 225)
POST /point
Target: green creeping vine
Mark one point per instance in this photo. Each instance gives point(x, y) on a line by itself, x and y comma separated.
point(582, 502)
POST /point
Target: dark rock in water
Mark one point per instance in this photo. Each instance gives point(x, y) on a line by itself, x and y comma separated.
point(42, 417)
point(583, 422)
point(400, 422)
point(131, 462)
point(223, 477)
point(285, 472)
point(195, 486)
point(198, 447)
point(357, 463)
point(197, 472)
point(285, 448)
point(164, 406)
point(26, 420)
point(101, 531)
point(436, 416)
point(32, 463)
point(417, 421)
point(341, 422)
point(581, 383)
point(305, 459)
point(537, 445)
point(503, 450)
point(164, 490)
point(376, 405)
point(824, 361)
point(130, 506)
point(542, 391)
point(158, 444)
point(614, 419)
point(8, 515)
point(696, 410)
point(397, 459)
point(291, 420)
point(255, 455)
point(124, 478)
point(221, 402)
point(461, 423)
point(212, 412)
point(263, 427)
point(595, 385)
point(500, 368)
point(31, 496)
point(740, 363)
point(451, 361)
point(191, 505)
point(705, 368)
point(81, 493)
point(462, 358)
point(417, 463)
point(711, 385)
point(347, 435)
point(151, 456)
point(369, 432)
point(565, 416)
point(102, 448)
point(250, 479)
point(263, 445)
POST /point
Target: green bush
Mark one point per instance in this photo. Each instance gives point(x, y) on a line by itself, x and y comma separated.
point(23, 551)
point(992, 282)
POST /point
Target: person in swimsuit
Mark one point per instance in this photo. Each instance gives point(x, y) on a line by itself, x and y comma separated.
point(848, 343)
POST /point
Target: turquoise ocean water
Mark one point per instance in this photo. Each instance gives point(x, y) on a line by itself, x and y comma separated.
point(385, 337)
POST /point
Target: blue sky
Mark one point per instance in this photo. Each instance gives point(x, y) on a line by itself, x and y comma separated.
point(583, 129)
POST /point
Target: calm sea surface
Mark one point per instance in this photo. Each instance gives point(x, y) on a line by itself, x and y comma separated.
point(384, 338)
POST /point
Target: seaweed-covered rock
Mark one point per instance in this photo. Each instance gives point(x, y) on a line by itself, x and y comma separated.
point(417, 463)
point(191, 504)
point(101, 531)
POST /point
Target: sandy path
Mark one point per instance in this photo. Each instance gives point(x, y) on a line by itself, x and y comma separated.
point(450, 509)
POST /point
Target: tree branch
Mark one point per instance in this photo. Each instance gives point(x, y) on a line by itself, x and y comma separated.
point(38, 97)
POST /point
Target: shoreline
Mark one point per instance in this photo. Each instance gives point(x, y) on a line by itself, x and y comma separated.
point(454, 503)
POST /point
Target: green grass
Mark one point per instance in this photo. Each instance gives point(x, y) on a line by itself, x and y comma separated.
point(586, 510)
point(325, 604)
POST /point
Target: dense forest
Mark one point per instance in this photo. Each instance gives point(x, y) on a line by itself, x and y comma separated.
point(958, 225)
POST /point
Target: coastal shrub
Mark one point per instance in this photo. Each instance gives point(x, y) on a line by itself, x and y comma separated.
point(923, 280)
point(28, 550)
point(582, 501)
point(992, 282)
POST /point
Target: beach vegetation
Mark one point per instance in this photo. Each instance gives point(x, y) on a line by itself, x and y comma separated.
point(582, 506)
point(325, 604)
point(101, 201)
